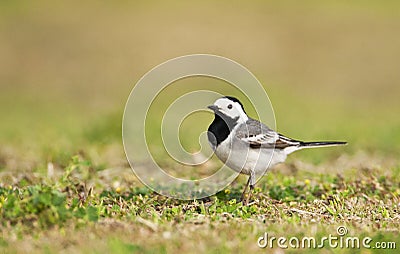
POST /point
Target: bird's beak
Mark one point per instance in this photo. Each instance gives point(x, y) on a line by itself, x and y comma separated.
point(213, 108)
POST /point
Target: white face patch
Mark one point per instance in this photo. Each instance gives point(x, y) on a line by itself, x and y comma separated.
point(231, 109)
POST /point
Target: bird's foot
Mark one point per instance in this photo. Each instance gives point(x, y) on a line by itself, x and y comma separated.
point(245, 202)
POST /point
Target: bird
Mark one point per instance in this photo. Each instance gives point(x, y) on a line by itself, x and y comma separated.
point(248, 146)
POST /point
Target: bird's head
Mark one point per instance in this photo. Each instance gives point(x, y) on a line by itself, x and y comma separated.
point(229, 107)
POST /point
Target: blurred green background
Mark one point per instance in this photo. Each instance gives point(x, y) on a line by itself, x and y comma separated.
point(331, 69)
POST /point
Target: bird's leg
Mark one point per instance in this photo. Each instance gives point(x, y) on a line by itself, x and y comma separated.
point(251, 182)
point(250, 193)
point(244, 191)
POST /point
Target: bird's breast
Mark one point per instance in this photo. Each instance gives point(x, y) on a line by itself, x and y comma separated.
point(237, 155)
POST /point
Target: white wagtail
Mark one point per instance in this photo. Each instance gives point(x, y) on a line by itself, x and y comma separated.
point(247, 145)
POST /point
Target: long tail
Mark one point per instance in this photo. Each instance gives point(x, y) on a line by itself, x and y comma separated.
point(290, 145)
point(301, 145)
point(321, 143)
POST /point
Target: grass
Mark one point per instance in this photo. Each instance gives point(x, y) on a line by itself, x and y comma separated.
point(93, 214)
point(330, 69)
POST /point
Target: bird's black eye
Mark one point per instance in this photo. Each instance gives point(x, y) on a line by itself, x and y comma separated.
point(230, 106)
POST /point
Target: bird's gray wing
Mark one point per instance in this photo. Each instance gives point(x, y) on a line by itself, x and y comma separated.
point(257, 134)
